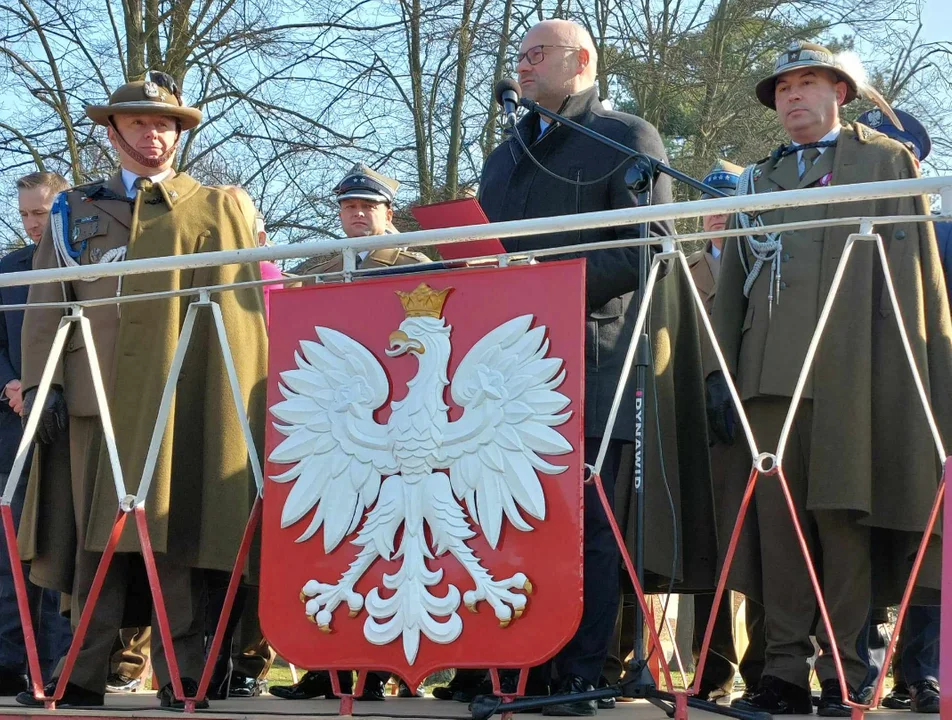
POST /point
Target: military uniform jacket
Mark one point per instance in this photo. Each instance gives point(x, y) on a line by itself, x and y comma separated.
point(199, 516)
point(704, 269)
point(512, 187)
point(872, 451)
point(389, 257)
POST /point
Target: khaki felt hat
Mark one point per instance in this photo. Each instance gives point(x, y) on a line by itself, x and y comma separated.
point(147, 97)
point(801, 55)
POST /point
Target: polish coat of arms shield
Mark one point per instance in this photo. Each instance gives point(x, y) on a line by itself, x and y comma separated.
point(423, 492)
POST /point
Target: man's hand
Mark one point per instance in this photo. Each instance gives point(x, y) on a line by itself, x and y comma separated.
point(720, 409)
point(53, 415)
point(13, 392)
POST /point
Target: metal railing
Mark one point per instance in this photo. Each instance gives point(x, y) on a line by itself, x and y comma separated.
point(763, 463)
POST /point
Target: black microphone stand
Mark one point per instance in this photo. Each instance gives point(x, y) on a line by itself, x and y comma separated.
point(647, 165)
point(637, 682)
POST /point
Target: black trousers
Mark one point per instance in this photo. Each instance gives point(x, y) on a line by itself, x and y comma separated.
point(585, 653)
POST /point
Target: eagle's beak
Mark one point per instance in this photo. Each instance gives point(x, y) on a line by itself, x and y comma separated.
point(400, 344)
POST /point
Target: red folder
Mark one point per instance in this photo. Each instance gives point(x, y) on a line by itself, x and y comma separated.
point(458, 213)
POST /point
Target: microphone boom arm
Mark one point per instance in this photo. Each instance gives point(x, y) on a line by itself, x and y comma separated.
point(648, 166)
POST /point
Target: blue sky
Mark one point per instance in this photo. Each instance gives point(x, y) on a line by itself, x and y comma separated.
point(936, 26)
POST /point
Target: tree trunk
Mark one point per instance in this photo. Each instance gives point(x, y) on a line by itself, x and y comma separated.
point(459, 95)
point(490, 135)
point(419, 110)
point(135, 42)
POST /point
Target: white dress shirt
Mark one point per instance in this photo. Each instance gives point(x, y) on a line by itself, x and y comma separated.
point(829, 137)
point(129, 178)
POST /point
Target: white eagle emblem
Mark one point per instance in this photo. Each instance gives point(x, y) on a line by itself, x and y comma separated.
point(414, 471)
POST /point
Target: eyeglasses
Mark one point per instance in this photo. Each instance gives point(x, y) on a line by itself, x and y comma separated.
point(166, 81)
point(535, 55)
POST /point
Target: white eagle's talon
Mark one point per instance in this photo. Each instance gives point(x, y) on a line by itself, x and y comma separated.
point(355, 603)
point(326, 629)
point(518, 612)
point(302, 597)
point(504, 623)
point(527, 586)
point(311, 618)
point(471, 607)
point(353, 613)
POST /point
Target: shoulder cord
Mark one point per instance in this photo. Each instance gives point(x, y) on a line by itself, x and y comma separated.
point(767, 250)
point(66, 256)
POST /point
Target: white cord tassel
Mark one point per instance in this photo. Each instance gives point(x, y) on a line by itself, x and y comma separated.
point(764, 251)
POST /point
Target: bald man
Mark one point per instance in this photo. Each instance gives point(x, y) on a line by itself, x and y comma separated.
point(557, 66)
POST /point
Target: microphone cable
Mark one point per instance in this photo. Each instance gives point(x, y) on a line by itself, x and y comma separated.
point(570, 181)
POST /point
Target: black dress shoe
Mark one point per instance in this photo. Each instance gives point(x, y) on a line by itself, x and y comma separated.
point(777, 697)
point(745, 697)
point(372, 691)
point(221, 678)
point(604, 703)
point(831, 699)
point(167, 697)
point(243, 686)
point(406, 692)
point(464, 686)
point(509, 685)
point(467, 693)
point(314, 683)
point(712, 692)
point(12, 682)
point(924, 697)
point(572, 708)
point(898, 698)
point(117, 683)
point(74, 697)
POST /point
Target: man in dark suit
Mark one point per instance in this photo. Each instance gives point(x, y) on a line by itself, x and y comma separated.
point(557, 66)
point(35, 195)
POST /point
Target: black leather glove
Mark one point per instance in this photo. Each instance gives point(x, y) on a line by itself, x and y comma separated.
point(720, 409)
point(54, 418)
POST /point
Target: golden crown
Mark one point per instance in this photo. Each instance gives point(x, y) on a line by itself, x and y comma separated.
point(424, 301)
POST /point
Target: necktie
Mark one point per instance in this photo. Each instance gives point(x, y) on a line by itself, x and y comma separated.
point(142, 184)
point(809, 158)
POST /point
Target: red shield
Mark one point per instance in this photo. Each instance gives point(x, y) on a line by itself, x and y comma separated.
point(423, 497)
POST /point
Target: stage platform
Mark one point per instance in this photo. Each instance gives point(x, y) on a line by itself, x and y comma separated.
point(145, 705)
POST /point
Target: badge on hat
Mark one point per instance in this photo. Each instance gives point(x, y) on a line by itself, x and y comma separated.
point(366, 184)
point(874, 118)
point(150, 89)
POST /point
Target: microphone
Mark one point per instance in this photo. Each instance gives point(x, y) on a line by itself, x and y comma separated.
point(507, 94)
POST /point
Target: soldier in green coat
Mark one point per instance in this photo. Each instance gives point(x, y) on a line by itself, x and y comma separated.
point(202, 486)
point(860, 461)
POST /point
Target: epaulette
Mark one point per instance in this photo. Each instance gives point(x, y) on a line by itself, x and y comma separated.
point(99, 191)
point(89, 187)
point(418, 256)
point(864, 133)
